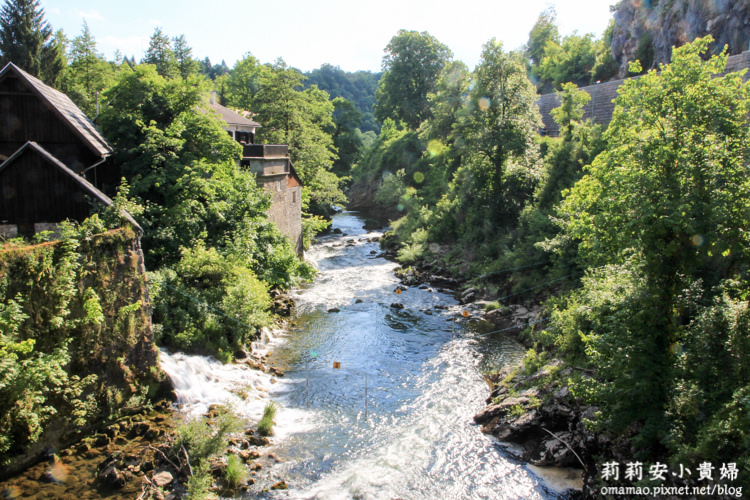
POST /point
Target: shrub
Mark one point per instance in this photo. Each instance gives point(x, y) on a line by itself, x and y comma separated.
point(235, 473)
point(265, 426)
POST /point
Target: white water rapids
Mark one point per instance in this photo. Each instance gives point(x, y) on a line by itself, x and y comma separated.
point(420, 372)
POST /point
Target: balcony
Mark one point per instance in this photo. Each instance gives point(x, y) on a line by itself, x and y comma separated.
point(265, 151)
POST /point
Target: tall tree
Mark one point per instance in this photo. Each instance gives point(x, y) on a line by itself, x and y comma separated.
point(347, 138)
point(501, 117)
point(290, 115)
point(572, 61)
point(183, 54)
point(241, 84)
point(668, 198)
point(544, 31)
point(27, 40)
point(161, 54)
point(88, 73)
point(412, 66)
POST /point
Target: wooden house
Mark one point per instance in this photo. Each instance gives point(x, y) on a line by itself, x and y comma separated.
point(274, 172)
point(52, 158)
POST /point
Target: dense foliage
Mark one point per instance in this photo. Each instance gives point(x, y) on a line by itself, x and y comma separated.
point(411, 67)
point(289, 114)
point(73, 350)
point(663, 213)
point(578, 59)
point(207, 237)
point(27, 40)
point(358, 88)
point(644, 225)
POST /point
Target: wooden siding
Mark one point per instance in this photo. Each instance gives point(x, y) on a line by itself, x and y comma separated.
point(34, 190)
point(24, 117)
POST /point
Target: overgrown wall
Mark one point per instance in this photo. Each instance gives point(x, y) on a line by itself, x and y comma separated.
point(76, 341)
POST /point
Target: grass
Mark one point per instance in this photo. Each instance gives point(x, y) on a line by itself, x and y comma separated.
point(235, 473)
point(265, 426)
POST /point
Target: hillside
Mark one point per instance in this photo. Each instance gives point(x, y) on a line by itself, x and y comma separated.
point(648, 30)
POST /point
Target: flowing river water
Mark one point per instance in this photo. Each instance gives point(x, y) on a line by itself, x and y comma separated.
point(394, 420)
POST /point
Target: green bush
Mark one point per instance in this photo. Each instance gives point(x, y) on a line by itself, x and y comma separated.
point(235, 473)
point(265, 426)
point(207, 302)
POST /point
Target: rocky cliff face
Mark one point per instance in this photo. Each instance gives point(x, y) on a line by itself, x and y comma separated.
point(648, 29)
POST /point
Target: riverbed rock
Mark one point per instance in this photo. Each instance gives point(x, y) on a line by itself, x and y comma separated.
point(162, 479)
point(397, 305)
point(248, 455)
point(281, 485)
point(258, 441)
point(110, 474)
point(541, 417)
point(499, 409)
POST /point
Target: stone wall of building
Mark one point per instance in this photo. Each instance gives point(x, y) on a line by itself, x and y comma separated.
point(286, 206)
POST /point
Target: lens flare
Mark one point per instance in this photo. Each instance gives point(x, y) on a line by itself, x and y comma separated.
point(418, 177)
point(698, 240)
point(484, 103)
point(435, 147)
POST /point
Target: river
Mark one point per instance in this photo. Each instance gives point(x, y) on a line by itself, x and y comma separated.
point(393, 417)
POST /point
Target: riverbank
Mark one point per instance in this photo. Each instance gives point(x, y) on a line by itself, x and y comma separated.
point(530, 409)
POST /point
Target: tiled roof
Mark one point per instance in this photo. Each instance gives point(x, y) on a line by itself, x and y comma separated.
point(599, 109)
point(65, 109)
point(85, 185)
point(232, 117)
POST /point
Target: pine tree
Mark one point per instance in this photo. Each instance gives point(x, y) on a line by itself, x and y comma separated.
point(184, 56)
point(161, 54)
point(27, 40)
point(88, 73)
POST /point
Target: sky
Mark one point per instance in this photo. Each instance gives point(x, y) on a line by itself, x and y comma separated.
point(350, 34)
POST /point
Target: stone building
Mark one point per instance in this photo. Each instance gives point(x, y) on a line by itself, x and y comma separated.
point(274, 172)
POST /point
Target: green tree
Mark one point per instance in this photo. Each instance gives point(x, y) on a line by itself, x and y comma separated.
point(668, 198)
point(544, 31)
point(303, 120)
point(205, 217)
point(161, 54)
point(88, 73)
point(501, 119)
point(411, 66)
point(183, 54)
point(347, 138)
point(27, 40)
point(572, 61)
point(240, 85)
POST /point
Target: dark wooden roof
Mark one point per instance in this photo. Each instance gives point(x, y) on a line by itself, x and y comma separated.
point(64, 108)
point(599, 109)
point(232, 117)
point(45, 191)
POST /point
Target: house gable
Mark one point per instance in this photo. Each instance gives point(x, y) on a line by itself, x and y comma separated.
point(35, 187)
point(33, 111)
